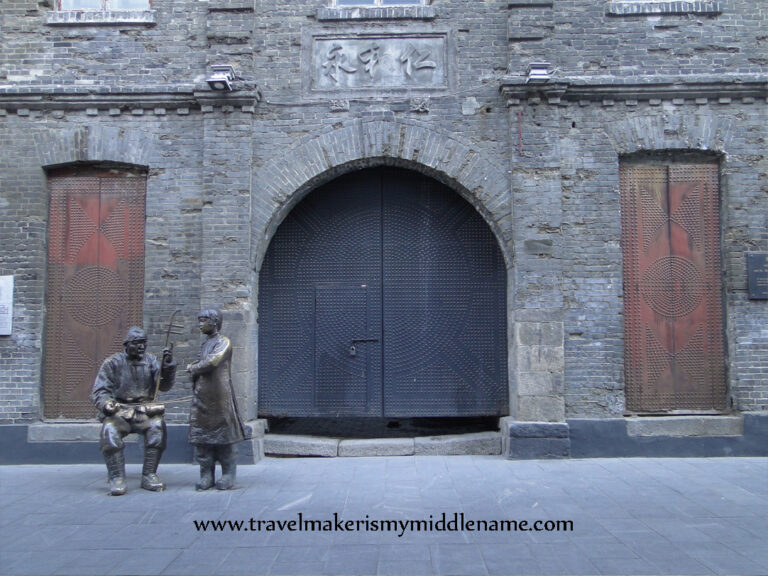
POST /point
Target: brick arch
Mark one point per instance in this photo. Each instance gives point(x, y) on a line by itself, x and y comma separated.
point(679, 132)
point(95, 144)
point(461, 165)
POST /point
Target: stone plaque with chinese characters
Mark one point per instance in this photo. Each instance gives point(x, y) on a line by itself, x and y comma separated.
point(385, 62)
point(6, 305)
point(757, 274)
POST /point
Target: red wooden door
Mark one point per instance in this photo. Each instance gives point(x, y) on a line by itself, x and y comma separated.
point(95, 280)
point(674, 356)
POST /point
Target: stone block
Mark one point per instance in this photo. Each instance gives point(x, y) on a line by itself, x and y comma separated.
point(536, 448)
point(515, 429)
point(684, 426)
point(540, 358)
point(285, 445)
point(539, 333)
point(251, 451)
point(377, 447)
point(541, 409)
point(537, 247)
point(481, 443)
point(528, 440)
point(256, 428)
point(253, 448)
point(539, 383)
point(69, 432)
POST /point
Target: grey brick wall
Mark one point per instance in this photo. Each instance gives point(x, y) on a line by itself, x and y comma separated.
point(540, 163)
point(165, 142)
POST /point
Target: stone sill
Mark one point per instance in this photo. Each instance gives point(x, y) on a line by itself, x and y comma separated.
point(377, 13)
point(96, 17)
point(68, 432)
point(78, 431)
point(649, 7)
point(685, 426)
point(481, 443)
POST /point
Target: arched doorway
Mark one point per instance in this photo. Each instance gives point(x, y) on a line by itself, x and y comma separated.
point(383, 293)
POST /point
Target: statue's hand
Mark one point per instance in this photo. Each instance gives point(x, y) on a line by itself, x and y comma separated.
point(192, 368)
point(168, 355)
point(110, 407)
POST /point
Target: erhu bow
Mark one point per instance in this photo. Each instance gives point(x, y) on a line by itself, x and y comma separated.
point(172, 329)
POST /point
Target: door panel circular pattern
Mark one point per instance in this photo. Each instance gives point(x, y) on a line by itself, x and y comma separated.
point(672, 286)
point(95, 296)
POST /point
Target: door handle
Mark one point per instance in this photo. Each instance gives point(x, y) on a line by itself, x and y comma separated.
point(353, 348)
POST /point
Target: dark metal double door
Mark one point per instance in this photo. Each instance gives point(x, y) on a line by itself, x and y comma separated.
point(383, 294)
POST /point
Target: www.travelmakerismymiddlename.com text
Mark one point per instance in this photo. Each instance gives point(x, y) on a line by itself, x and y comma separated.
point(445, 522)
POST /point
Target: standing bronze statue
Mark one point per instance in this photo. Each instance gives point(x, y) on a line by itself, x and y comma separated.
point(124, 393)
point(214, 421)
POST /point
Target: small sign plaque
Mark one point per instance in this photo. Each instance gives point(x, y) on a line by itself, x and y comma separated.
point(757, 274)
point(6, 305)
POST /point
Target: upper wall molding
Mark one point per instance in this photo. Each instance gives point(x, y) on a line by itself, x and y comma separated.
point(101, 98)
point(377, 13)
point(607, 89)
point(100, 17)
point(642, 8)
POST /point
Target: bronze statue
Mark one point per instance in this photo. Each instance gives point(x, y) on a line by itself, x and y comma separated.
point(124, 392)
point(214, 421)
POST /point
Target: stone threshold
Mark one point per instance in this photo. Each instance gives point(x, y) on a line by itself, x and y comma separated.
point(481, 443)
point(685, 426)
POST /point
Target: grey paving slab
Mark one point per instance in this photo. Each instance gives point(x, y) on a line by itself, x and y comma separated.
point(352, 559)
point(457, 559)
point(402, 559)
point(522, 567)
point(733, 565)
point(623, 566)
point(37, 562)
point(514, 558)
point(247, 561)
point(630, 516)
point(300, 560)
point(604, 548)
point(197, 562)
point(677, 563)
point(573, 565)
point(147, 562)
point(88, 563)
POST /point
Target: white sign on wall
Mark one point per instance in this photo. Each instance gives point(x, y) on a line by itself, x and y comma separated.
point(373, 62)
point(6, 305)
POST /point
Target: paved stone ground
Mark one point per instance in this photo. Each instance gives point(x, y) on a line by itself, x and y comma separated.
point(630, 516)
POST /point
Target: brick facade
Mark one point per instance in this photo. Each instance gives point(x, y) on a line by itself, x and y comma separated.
point(629, 79)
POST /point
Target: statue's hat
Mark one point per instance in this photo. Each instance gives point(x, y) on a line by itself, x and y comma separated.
point(134, 333)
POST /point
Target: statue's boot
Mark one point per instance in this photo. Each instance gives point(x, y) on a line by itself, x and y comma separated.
point(228, 459)
point(207, 466)
point(149, 477)
point(116, 472)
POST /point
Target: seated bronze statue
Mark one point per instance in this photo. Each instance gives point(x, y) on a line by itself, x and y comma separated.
point(124, 393)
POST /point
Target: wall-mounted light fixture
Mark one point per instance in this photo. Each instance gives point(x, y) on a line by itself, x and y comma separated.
point(538, 73)
point(222, 77)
